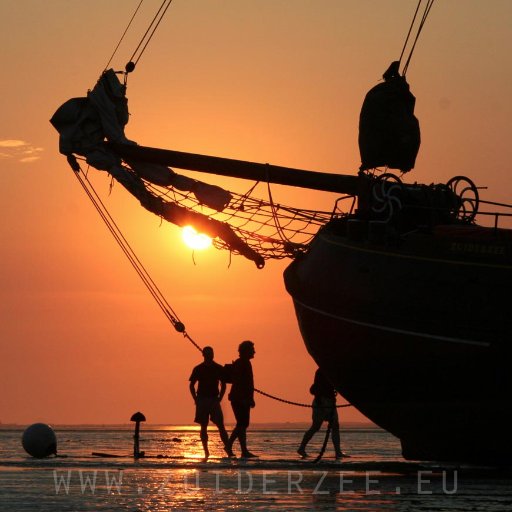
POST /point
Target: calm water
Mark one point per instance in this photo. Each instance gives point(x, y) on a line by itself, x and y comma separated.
point(173, 477)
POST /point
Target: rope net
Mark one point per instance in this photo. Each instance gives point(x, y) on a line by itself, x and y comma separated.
point(272, 230)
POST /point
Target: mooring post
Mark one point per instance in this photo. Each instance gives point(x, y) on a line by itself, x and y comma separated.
point(137, 418)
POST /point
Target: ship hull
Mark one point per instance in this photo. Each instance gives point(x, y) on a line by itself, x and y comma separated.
point(415, 339)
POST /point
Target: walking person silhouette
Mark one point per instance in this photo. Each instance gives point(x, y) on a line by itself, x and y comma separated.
point(241, 396)
point(324, 409)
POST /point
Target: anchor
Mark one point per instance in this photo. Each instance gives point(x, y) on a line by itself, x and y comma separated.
point(137, 418)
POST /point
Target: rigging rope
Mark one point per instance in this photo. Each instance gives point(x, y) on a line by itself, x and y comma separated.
point(142, 271)
point(155, 20)
point(128, 251)
point(122, 37)
point(275, 217)
point(426, 11)
point(410, 30)
point(326, 438)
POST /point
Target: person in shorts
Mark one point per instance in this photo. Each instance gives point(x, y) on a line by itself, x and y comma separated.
point(324, 409)
point(211, 386)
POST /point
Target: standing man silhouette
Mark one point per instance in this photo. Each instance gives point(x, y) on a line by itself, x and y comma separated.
point(207, 398)
point(241, 396)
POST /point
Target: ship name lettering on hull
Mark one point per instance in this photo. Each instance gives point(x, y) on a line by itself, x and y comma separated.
point(498, 250)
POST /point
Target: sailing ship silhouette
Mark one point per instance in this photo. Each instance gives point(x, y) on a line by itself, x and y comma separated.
point(401, 297)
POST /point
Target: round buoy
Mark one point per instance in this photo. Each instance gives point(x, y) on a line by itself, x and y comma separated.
point(39, 440)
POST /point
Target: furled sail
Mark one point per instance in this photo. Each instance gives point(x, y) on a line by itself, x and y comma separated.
point(389, 132)
point(84, 124)
point(92, 128)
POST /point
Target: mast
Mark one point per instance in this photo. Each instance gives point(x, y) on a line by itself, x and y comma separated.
point(327, 182)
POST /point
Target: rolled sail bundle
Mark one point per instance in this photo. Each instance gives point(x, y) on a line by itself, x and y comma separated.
point(85, 124)
point(389, 132)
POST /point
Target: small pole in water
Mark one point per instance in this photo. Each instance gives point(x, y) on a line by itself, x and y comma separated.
point(137, 418)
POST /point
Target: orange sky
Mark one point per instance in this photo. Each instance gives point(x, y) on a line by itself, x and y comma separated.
point(279, 81)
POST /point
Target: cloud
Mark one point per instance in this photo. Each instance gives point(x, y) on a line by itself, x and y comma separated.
point(29, 159)
point(19, 150)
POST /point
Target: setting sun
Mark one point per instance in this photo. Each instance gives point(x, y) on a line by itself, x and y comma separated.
point(194, 239)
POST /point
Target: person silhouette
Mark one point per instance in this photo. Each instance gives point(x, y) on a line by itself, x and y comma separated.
point(241, 396)
point(324, 409)
point(207, 398)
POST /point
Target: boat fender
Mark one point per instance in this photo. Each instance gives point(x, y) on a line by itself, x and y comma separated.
point(39, 440)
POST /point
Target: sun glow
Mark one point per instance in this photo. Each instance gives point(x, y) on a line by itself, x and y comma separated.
point(195, 240)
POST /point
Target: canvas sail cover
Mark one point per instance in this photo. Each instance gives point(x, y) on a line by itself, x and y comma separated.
point(85, 123)
point(389, 132)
